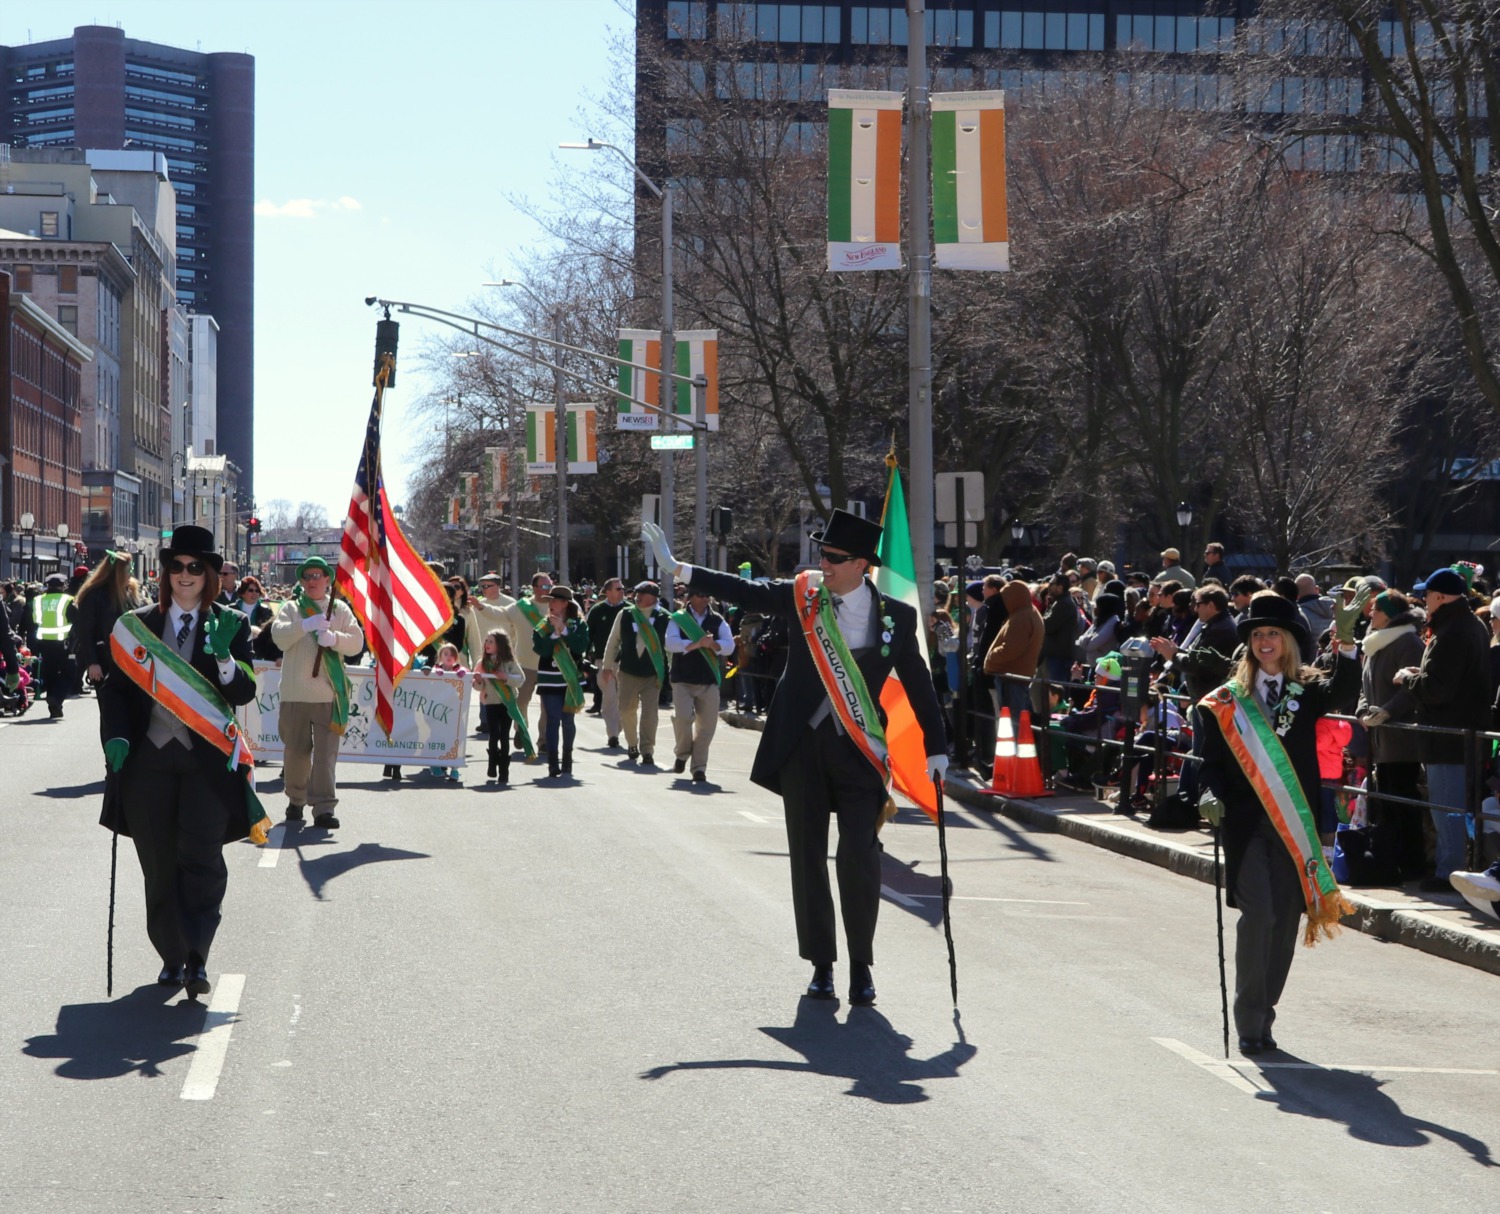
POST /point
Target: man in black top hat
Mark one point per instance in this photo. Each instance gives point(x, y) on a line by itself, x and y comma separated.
point(806, 753)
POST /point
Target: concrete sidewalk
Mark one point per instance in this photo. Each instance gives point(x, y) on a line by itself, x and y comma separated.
point(1442, 924)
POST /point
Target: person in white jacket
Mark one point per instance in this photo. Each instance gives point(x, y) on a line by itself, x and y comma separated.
point(314, 632)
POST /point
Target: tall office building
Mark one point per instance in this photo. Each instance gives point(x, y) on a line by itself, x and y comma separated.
point(102, 90)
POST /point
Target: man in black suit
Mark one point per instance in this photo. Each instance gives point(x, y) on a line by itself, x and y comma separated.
point(806, 754)
point(180, 801)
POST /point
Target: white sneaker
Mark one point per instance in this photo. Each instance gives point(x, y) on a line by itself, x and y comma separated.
point(1481, 890)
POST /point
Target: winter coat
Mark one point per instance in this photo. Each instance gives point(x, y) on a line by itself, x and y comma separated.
point(988, 620)
point(1453, 688)
point(1206, 664)
point(1100, 639)
point(1388, 650)
point(1060, 628)
point(1018, 644)
point(1317, 610)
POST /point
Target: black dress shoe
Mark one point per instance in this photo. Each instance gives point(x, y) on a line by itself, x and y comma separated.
point(197, 980)
point(861, 986)
point(632, 754)
point(294, 813)
point(700, 777)
point(647, 761)
point(614, 743)
point(1268, 1041)
point(325, 822)
point(680, 766)
point(172, 975)
point(821, 986)
point(1250, 1046)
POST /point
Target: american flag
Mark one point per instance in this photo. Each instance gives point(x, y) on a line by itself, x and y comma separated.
point(400, 601)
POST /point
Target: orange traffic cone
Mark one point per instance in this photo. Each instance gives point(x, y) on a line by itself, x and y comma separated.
point(1003, 779)
point(1027, 780)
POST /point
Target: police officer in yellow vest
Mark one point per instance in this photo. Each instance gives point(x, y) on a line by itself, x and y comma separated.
point(51, 622)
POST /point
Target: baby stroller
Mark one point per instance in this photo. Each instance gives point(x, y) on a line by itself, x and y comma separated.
point(15, 703)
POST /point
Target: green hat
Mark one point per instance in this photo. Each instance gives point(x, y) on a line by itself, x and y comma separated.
point(314, 562)
point(1109, 666)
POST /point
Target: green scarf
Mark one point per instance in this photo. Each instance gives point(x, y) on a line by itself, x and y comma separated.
point(684, 620)
point(647, 632)
point(333, 667)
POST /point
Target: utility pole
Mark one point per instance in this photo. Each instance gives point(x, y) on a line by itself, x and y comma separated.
point(919, 311)
point(562, 456)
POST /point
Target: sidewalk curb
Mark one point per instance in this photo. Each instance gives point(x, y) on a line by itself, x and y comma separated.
point(1397, 925)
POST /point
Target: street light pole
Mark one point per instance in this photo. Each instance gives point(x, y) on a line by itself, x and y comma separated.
point(668, 340)
point(919, 349)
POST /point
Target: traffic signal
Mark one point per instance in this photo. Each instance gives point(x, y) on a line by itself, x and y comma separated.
point(723, 520)
point(387, 333)
point(252, 525)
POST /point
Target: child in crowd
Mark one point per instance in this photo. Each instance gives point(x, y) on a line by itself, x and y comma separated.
point(447, 663)
point(499, 676)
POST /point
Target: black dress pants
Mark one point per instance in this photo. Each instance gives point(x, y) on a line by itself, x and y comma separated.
point(178, 831)
point(826, 776)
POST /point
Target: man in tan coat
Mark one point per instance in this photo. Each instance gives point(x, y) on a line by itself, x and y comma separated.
point(313, 630)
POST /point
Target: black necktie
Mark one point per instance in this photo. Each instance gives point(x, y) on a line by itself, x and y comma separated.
point(187, 627)
point(838, 600)
point(1273, 694)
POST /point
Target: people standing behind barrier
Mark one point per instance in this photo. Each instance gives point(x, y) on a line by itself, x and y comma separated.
point(102, 599)
point(1260, 769)
point(1394, 642)
point(635, 654)
point(167, 717)
point(314, 632)
point(699, 640)
point(561, 642)
point(1241, 591)
point(1060, 629)
point(1451, 686)
point(52, 615)
point(499, 677)
point(1213, 564)
point(601, 621)
point(1173, 570)
point(1016, 649)
point(1102, 637)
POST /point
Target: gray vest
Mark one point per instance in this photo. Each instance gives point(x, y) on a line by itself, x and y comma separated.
point(165, 727)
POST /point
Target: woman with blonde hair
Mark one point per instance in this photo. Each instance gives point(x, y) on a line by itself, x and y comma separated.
point(1260, 770)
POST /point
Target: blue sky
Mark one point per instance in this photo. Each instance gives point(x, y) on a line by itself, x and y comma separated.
point(388, 139)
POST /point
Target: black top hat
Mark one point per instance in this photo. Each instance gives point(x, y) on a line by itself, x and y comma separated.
point(856, 536)
point(1269, 610)
point(188, 540)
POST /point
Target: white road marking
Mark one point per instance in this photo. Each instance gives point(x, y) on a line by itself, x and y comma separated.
point(213, 1042)
point(1215, 1066)
point(901, 899)
point(761, 820)
point(1241, 1074)
point(271, 851)
point(1022, 901)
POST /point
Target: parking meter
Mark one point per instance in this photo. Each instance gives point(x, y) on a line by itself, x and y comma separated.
point(1136, 656)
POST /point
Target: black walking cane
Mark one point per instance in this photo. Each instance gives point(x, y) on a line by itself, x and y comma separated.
point(1219, 915)
point(109, 939)
point(937, 783)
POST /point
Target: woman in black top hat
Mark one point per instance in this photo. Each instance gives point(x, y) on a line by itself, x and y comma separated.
point(182, 665)
point(1260, 767)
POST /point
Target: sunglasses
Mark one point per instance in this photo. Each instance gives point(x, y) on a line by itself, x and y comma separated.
point(191, 568)
point(836, 558)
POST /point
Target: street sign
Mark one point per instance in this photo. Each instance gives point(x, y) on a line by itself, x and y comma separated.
point(950, 534)
point(946, 492)
point(672, 442)
point(166, 533)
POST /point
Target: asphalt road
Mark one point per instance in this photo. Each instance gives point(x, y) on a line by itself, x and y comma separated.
point(585, 997)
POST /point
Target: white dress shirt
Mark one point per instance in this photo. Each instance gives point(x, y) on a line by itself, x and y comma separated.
point(175, 615)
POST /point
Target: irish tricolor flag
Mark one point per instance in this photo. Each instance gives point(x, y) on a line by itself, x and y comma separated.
point(541, 439)
point(896, 578)
point(864, 180)
point(695, 352)
point(968, 181)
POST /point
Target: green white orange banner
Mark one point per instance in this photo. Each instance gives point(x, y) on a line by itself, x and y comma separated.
point(541, 439)
point(969, 222)
point(695, 352)
point(864, 180)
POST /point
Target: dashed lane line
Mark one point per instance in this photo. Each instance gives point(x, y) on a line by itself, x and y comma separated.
point(213, 1042)
point(270, 852)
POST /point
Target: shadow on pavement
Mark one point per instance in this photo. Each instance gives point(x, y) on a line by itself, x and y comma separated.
point(1356, 1099)
point(70, 792)
point(133, 1034)
point(864, 1049)
point(320, 870)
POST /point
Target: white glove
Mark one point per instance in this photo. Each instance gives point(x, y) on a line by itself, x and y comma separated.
point(312, 623)
point(327, 638)
point(937, 768)
point(1377, 716)
point(655, 538)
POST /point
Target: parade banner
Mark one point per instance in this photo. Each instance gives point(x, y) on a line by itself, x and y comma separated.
point(694, 352)
point(500, 492)
point(541, 439)
point(969, 222)
point(864, 180)
point(429, 724)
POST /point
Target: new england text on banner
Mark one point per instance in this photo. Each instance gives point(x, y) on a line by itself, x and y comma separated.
point(969, 222)
point(864, 180)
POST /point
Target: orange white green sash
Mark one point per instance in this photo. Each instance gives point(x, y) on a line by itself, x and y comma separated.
point(840, 673)
point(1268, 769)
point(178, 686)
